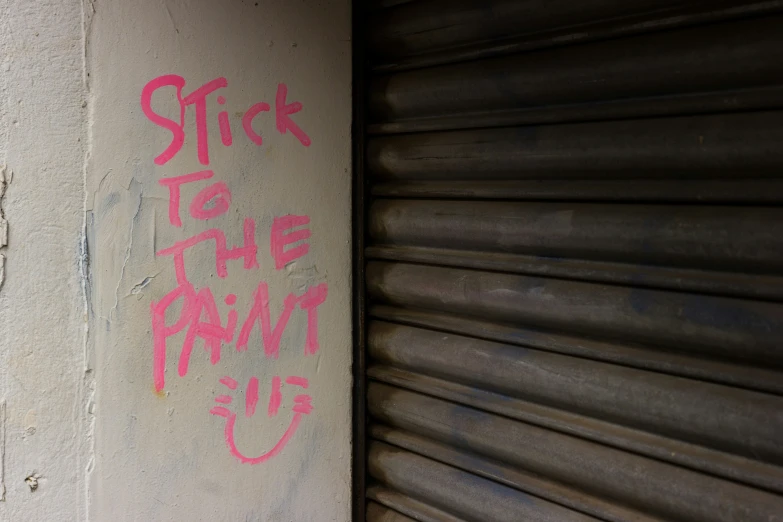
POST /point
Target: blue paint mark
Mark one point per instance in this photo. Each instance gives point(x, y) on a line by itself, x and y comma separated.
point(108, 203)
point(641, 300)
point(725, 315)
point(510, 351)
point(309, 439)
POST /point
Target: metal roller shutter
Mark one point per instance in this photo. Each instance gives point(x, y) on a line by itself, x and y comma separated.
point(574, 260)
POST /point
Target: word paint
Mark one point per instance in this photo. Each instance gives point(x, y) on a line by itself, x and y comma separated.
point(198, 316)
point(198, 99)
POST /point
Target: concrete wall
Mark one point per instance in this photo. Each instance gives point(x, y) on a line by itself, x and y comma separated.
point(104, 404)
point(44, 378)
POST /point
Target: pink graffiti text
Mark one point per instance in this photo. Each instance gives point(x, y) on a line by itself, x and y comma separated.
point(198, 99)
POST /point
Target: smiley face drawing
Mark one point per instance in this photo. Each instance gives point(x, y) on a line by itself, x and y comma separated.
point(301, 407)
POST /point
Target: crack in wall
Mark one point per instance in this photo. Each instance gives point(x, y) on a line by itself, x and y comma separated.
point(5, 179)
point(87, 392)
point(2, 450)
point(134, 187)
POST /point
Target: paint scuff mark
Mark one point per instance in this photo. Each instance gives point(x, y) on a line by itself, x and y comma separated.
point(30, 424)
point(138, 287)
point(88, 11)
point(303, 277)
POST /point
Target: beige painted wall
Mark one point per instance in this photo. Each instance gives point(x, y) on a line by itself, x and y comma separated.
point(161, 455)
point(84, 412)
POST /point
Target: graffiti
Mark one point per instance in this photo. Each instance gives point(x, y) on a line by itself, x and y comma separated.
point(194, 309)
point(301, 407)
point(198, 99)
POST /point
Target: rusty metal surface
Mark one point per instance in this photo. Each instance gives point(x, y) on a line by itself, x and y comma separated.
point(574, 265)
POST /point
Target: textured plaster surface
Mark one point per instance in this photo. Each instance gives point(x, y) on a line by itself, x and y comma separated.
point(44, 378)
point(161, 455)
point(84, 435)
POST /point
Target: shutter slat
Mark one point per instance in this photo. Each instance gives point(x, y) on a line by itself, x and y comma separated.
point(714, 146)
point(692, 456)
point(408, 506)
point(741, 239)
point(510, 476)
point(731, 419)
point(737, 329)
point(734, 284)
point(658, 64)
point(716, 191)
point(469, 496)
point(433, 32)
point(634, 356)
point(650, 485)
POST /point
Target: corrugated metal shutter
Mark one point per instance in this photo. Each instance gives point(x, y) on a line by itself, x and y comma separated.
point(574, 249)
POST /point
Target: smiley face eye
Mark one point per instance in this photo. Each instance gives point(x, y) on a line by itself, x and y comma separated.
point(228, 381)
point(301, 402)
point(251, 397)
point(298, 381)
point(220, 411)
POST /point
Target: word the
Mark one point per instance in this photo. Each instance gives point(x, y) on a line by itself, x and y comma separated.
point(198, 98)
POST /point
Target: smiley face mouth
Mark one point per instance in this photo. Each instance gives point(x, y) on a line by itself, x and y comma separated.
point(302, 407)
point(232, 447)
